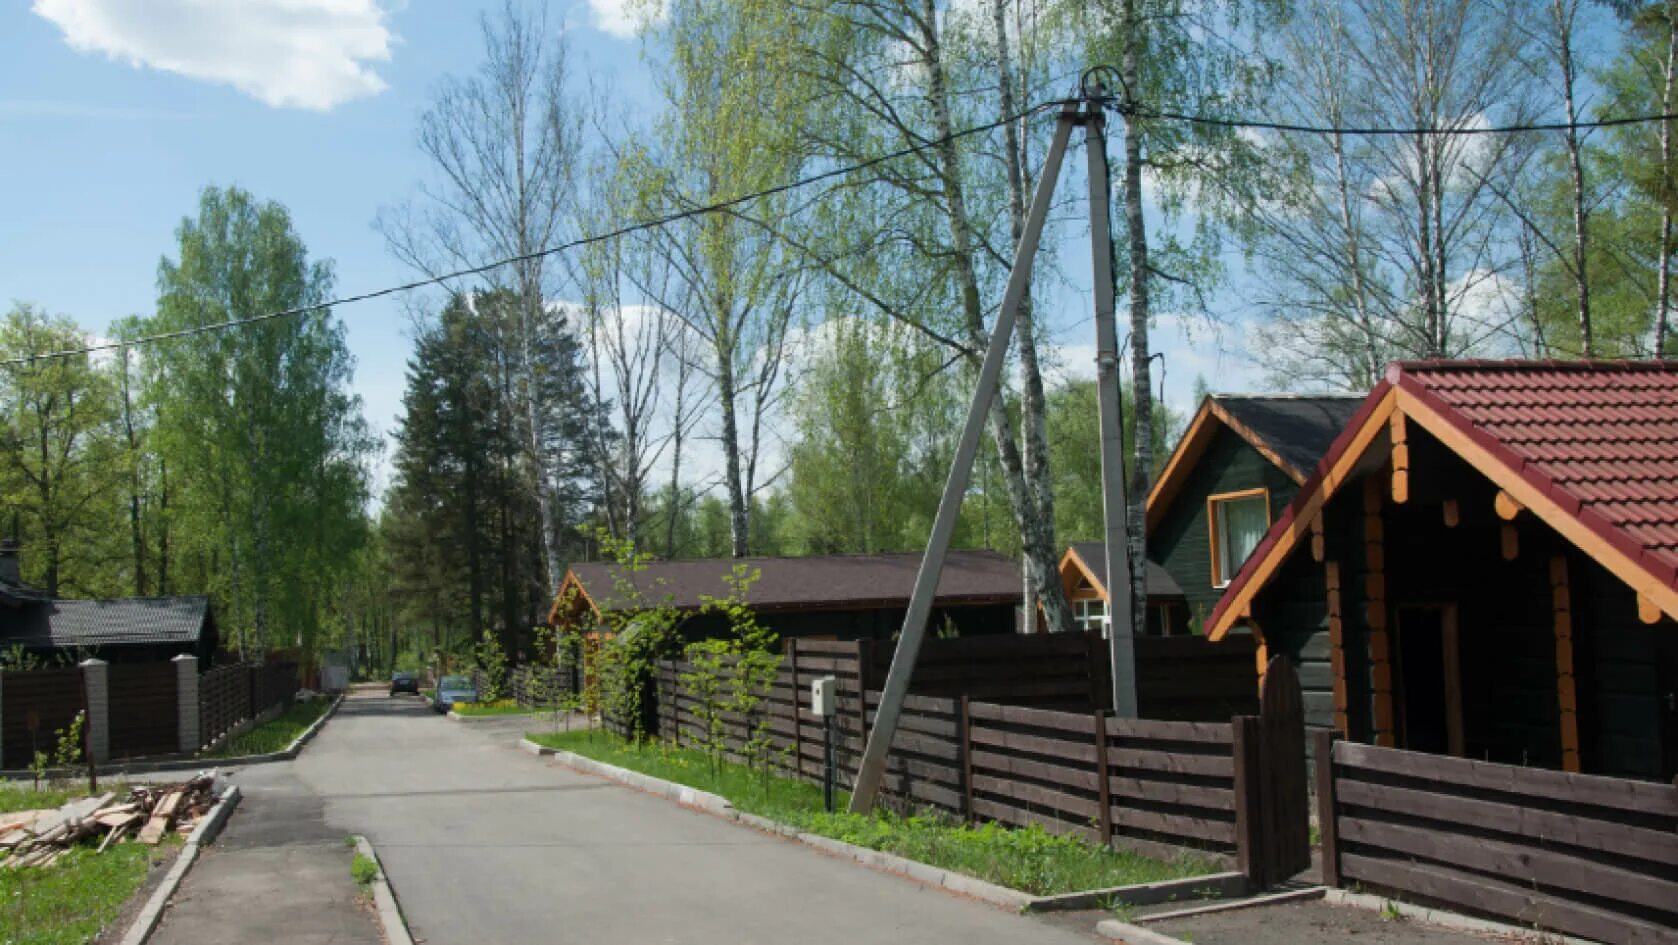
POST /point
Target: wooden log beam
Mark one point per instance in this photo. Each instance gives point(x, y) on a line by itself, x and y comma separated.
point(1375, 611)
point(1400, 458)
point(1567, 698)
point(1337, 649)
point(1506, 506)
point(1453, 515)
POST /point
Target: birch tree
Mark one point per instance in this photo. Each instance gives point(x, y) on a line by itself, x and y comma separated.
point(502, 144)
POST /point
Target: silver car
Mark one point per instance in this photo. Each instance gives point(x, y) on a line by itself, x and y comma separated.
point(453, 689)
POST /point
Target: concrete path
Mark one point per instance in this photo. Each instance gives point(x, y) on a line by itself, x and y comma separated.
point(487, 845)
point(277, 873)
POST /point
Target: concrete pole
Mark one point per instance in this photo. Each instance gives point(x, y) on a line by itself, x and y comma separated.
point(96, 678)
point(1120, 628)
point(186, 703)
point(873, 765)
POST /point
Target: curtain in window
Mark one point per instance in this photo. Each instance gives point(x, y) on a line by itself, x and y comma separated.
point(1242, 524)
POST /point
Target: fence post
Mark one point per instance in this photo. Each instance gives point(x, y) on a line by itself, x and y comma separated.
point(864, 665)
point(1249, 819)
point(96, 680)
point(797, 717)
point(967, 760)
point(2, 718)
point(187, 724)
point(1326, 825)
point(1103, 783)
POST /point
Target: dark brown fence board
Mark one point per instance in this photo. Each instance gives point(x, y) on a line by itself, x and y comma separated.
point(1582, 854)
point(1495, 896)
point(51, 696)
point(143, 709)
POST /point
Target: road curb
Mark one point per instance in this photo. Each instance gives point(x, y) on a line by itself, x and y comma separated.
point(204, 833)
point(959, 883)
point(1133, 934)
point(540, 751)
point(395, 928)
point(1219, 885)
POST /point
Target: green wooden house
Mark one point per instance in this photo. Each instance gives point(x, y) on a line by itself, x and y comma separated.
point(1237, 466)
point(1485, 564)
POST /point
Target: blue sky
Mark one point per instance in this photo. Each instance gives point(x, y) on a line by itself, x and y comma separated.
point(114, 114)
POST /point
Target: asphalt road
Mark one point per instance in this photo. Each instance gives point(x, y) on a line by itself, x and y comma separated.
point(485, 844)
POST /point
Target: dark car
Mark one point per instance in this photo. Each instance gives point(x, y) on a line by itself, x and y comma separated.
point(404, 682)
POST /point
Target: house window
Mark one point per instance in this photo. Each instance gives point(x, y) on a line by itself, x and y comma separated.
point(1237, 520)
point(1090, 614)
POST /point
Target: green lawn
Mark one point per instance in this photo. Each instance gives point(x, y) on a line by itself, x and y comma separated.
point(276, 733)
point(70, 901)
point(21, 795)
point(1031, 860)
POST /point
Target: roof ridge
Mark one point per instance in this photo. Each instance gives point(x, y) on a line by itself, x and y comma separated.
point(1425, 365)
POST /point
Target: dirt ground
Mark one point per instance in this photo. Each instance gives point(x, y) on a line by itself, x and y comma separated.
point(1310, 922)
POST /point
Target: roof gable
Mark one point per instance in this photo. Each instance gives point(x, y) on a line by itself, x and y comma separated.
point(1090, 559)
point(1589, 447)
point(1291, 432)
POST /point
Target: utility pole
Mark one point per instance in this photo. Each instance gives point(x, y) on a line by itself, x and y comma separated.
point(872, 768)
point(1121, 632)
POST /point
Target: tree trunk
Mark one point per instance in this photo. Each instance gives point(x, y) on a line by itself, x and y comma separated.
point(1663, 281)
point(1141, 364)
point(739, 510)
point(136, 537)
point(1576, 176)
point(1040, 558)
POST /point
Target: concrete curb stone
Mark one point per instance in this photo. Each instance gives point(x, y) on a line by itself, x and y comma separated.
point(395, 928)
point(1220, 885)
point(960, 883)
point(205, 832)
point(1133, 934)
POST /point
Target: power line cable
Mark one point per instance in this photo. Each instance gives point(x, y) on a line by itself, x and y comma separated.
point(541, 253)
point(1143, 111)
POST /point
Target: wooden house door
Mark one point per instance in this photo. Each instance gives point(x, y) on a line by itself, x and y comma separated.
point(1428, 679)
point(1666, 637)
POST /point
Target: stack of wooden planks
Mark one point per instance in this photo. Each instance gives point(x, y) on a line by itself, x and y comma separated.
point(39, 838)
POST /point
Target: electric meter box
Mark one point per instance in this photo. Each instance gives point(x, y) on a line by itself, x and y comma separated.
point(824, 696)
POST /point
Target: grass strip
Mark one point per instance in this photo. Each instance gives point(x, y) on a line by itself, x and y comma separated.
point(69, 902)
point(1029, 859)
point(18, 795)
point(474, 710)
point(276, 733)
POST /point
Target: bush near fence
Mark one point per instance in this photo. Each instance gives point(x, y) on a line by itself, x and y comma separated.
point(1153, 785)
point(1584, 855)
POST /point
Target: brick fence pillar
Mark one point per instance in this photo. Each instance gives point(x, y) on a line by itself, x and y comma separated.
point(96, 677)
point(186, 703)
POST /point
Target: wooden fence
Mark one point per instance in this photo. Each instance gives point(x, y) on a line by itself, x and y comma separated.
point(33, 706)
point(143, 709)
point(230, 696)
point(1141, 783)
point(1583, 855)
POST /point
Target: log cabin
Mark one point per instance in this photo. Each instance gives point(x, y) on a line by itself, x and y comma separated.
point(1485, 564)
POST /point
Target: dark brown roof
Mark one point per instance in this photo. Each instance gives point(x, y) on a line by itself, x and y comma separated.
point(111, 622)
point(1298, 427)
point(812, 583)
point(1160, 582)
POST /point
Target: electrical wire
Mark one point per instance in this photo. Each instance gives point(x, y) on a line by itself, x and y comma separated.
point(1144, 112)
point(540, 253)
point(1123, 108)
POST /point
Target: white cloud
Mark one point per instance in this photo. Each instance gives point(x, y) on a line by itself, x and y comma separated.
point(623, 18)
point(313, 54)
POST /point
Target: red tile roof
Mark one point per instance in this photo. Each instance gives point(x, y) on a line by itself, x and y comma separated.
point(1600, 437)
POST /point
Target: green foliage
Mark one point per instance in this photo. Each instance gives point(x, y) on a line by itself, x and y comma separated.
point(66, 754)
point(641, 630)
point(491, 661)
point(364, 869)
point(1075, 446)
point(70, 903)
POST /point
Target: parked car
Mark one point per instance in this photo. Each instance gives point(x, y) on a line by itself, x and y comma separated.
point(453, 689)
point(404, 682)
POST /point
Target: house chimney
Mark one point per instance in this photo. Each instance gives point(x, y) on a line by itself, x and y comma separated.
point(8, 561)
